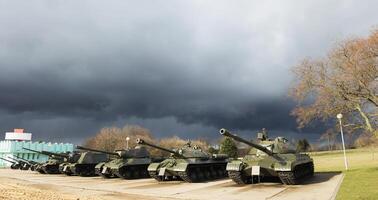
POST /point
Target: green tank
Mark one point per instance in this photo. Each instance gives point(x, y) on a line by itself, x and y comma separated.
point(70, 158)
point(127, 164)
point(85, 164)
point(22, 164)
point(189, 163)
point(269, 158)
point(51, 166)
point(14, 165)
point(32, 164)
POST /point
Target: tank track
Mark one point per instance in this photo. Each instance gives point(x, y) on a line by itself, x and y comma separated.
point(185, 177)
point(300, 172)
point(198, 173)
point(132, 172)
point(154, 175)
point(51, 169)
point(239, 178)
point(85, 170)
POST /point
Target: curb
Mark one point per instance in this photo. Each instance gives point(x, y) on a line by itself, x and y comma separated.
point(333, 197)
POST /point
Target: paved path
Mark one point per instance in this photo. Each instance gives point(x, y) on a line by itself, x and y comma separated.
point(323, 186)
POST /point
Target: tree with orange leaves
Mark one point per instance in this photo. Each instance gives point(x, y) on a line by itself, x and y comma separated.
point(346, 81)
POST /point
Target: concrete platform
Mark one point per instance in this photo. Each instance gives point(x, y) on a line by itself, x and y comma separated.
point(323, 186)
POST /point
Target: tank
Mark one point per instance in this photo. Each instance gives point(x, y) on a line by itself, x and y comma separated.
point(51, 166)
point(31, 163)
point(85, 164)
point(269, 158)
point(189, 163)
point(127, 164)
point(14, 165)
point(72, 157)
point(22, 164)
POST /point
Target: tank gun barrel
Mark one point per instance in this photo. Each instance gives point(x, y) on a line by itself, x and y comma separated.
point(25, 160)
point(18, 161)
point(141, 141)
point(48, 153)
point(8, 160)
point(96, 150)
point(225, 132)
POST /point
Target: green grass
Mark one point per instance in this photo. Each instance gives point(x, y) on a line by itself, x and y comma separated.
point(359, 184)
point(361, 180)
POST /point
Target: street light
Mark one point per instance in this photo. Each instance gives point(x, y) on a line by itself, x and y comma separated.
point(127, 142)
point(340, 116)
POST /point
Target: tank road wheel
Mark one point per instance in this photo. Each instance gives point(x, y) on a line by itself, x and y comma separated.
point(86, 171)
point(239, 178)
point(190, 175)
point(207, 173)
point(135, 173)
point(105, 175)
point(220, 173)
point(298, 174)
point(193, 175)
point(144, 173)
point(200, 174)
point(124, 172)
point(213, 172)
point(288, 178)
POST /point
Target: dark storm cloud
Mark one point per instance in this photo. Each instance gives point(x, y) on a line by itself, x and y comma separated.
point(69, 68)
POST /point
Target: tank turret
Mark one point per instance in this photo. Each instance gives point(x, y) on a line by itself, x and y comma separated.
point(175, 153)
point(97, 150)
point(48, 153)
point(137, 152)
point(224, 132)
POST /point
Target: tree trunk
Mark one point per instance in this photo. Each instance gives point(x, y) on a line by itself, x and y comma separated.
point(368, 126)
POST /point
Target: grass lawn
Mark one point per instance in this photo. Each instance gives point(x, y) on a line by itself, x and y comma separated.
point(361, 180)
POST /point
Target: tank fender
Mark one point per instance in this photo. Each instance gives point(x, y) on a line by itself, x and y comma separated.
point(283, 166)
point(181, 167)
point(234, 166)
point(153, 167)
point(100, 165)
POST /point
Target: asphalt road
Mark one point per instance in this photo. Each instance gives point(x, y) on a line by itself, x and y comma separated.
point(323, 186)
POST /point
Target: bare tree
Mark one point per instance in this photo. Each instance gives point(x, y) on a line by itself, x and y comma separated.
point(330, 137)
point(343, 82)
point(112, 138)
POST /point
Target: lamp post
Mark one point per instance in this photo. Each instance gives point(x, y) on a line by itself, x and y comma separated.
point(340, 116)
point(127, 142)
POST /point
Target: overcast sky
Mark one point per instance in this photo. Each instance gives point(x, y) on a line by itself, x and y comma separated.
point(186, 68)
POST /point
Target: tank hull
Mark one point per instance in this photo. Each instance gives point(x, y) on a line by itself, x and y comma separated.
point(292, 170)
point(81, 169)
point(51, 168)
point(188, 170)
point(132, 168)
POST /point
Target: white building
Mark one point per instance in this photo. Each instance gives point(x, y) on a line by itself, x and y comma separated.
point(17, 140)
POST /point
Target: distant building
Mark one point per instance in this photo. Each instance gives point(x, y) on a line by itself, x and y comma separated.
point(18, 135)
point(16, 140)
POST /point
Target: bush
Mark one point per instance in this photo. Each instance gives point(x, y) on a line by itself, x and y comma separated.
point(228, 146)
